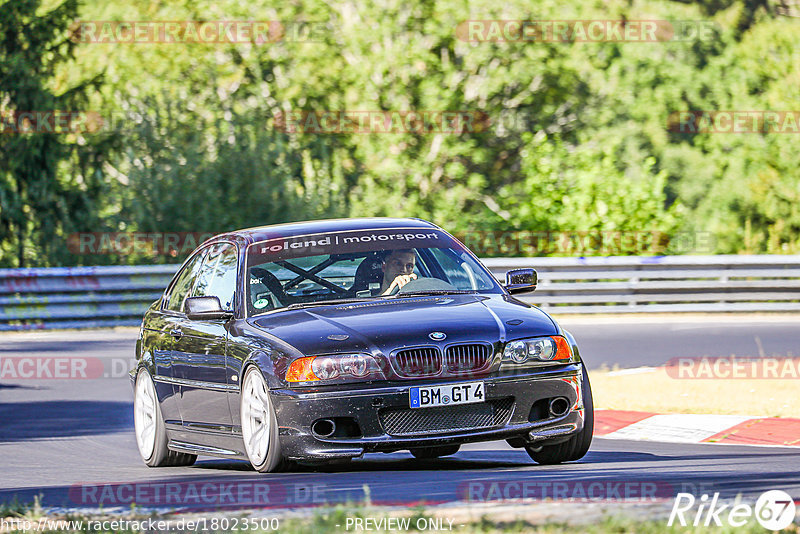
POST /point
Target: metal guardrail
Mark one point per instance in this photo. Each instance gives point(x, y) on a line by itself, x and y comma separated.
point(80, 297)
point(634, 284)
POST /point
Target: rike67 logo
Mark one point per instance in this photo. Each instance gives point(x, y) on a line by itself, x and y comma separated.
point(774, 510)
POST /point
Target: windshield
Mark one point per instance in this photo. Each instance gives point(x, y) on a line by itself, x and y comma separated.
point(356, 265)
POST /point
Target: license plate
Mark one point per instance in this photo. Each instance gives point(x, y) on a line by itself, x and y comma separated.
point(428, 397)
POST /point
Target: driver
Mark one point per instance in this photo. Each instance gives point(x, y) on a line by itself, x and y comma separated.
point(398, 270)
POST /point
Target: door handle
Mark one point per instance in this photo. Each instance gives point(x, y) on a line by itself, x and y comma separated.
point(176, 333)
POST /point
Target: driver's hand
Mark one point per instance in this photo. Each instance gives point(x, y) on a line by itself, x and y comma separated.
point(399, 281)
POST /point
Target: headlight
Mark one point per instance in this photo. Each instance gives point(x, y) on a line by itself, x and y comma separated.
point(542, 349)
point(334, 368)
point(357, 365)
point(516, 351)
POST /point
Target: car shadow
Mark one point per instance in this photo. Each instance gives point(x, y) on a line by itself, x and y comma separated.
point(194, 490)
point(21, 421)
point(371, 464)
point(403, 461)
point(15, 386)
point(483, 460)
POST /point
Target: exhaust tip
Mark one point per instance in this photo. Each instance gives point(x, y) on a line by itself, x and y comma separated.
point(559, 406)
point(323, 428)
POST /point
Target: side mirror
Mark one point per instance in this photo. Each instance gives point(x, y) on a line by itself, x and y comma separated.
point(521, 280)
point(205, 308)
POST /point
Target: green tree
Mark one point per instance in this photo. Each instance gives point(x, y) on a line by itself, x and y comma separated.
point(578, 138)
point(48, 181)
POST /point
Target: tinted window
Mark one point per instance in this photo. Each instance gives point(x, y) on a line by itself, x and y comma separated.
point(218, 275)
point(184, 282)
point(279, 286)
point(305, 269)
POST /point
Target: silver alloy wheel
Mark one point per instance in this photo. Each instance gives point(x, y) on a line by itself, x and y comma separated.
point(256, 417)
point(145, 414)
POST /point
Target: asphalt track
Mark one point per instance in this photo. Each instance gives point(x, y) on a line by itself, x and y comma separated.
point(71, 441)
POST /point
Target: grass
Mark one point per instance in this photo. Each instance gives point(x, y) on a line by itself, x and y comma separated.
point(656, 391)
point(334, 520)
point(16, 509)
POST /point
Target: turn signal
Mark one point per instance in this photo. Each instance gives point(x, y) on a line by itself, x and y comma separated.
point(563, 351)
point(300, 370)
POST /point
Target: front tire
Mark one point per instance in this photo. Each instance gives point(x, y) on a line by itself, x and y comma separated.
point(151, 435)
point(578, 445)
point(259, 424)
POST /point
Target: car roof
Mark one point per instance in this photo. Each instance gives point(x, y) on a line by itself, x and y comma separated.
point(277, 231)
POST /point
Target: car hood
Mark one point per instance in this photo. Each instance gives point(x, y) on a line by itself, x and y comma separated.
point(382, 326)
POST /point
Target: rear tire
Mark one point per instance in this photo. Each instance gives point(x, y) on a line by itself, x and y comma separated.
point(259, 424)
point(424, 453)
point(578, 445)
point(151, 434)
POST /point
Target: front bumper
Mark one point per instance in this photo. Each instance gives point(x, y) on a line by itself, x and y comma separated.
point(527, 424)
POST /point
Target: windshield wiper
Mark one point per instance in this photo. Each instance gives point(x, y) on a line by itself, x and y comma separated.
point(297, 305)
point(436, 292)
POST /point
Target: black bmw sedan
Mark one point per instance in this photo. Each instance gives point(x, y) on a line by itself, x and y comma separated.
point(319, 341)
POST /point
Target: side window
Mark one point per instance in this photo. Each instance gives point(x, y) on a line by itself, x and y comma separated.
point(184, 282)
point(218, 275)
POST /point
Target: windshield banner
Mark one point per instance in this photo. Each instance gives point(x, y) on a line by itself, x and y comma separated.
point(347, 242)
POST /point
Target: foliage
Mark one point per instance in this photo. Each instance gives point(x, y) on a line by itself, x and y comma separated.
point(578, 137)
point(50, 184)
